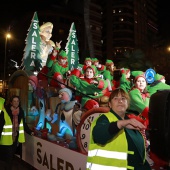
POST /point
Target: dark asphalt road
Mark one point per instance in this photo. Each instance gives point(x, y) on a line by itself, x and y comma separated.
point(18, 164)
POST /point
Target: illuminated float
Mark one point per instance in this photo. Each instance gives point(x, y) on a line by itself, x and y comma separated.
point(57, 120)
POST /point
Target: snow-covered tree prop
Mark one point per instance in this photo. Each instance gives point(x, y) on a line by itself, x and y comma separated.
point(31, 60)
point(72, 48)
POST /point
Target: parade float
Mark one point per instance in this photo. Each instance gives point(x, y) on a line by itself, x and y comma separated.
point(61, 130)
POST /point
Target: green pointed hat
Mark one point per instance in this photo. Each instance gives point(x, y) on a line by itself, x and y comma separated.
point(93, 68)
point(126, 70)
point(62, 54)
point(88, 59)
point(137, 74)
point(109, 62)
point(94, 59)
point(159, 77)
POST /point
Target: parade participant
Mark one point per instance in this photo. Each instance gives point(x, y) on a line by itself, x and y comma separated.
point(108, 73)
point(12, 127)
point(125, 82)
point(139, 96)
point(158, 84)
point(100, 68)
point(87, 62)
point(91, 87)
point(115, 140)
point(59, 71)
point(139, 105)
point(52, 58)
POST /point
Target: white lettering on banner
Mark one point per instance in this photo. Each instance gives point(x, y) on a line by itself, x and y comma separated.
point(45, 155)
point(34, 34)
point(35, 25)
point(32, 63)
point(72, 61)
point(33, 55)
point(72, 54)
point(73, 42)
point(47, 160)
point(33, 48)
point(73, 34)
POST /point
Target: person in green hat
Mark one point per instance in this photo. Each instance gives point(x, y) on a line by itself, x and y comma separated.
point(108, 73)
point(52, 58)
point(91, 88)
point(125, 82)
point(139, 95)
point(59, 71)
point(158, 84)
point(100, 67)
point(139, 104)
point(87, 62)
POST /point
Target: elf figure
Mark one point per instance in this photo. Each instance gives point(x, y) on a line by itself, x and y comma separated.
point(100, 68)
point(59, 71)
point(87, 62)
point(92, 88)
point(158, 84)
point(125, 82)
point(108, 74)
point(139, 105)
point(52, 58)
point(139, 96)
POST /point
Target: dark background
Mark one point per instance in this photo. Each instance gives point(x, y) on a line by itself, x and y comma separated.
point(16, 17)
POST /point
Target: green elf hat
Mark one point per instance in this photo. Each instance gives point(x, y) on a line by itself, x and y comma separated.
point(87, 59)
point(126, 70)
point(138, 74)
point(92, 67)
point(62, 55)
point(94, 60)
point(109, 62)
point(159, 77)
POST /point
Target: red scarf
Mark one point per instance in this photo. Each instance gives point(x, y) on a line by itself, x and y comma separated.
point(15, 127)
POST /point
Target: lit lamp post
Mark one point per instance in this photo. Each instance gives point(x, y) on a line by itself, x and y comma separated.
point(6, 39)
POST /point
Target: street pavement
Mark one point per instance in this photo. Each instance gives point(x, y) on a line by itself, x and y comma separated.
point(18, 164)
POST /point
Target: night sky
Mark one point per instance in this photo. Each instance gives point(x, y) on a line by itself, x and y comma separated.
point(16, 16)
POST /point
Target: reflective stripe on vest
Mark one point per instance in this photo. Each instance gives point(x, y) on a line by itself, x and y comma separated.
point(93, 166)
point(108, 154)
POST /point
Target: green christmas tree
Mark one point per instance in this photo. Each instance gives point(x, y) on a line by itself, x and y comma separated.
point(72, 49)
point(31, 60)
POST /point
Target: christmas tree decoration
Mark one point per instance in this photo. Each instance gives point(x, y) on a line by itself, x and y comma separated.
point(72, 48)
point(31, 60)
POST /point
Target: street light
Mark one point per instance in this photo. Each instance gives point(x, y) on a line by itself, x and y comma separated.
point(7, 36)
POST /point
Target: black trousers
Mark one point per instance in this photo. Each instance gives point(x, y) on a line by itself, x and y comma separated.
point(7, 153)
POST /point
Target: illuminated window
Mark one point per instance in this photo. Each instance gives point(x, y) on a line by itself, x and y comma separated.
point(120, 11)
point(114, 11)
point(121, 19)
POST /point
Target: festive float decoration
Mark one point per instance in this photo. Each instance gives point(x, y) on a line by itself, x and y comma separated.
point(32, 59)
point(72, 49)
